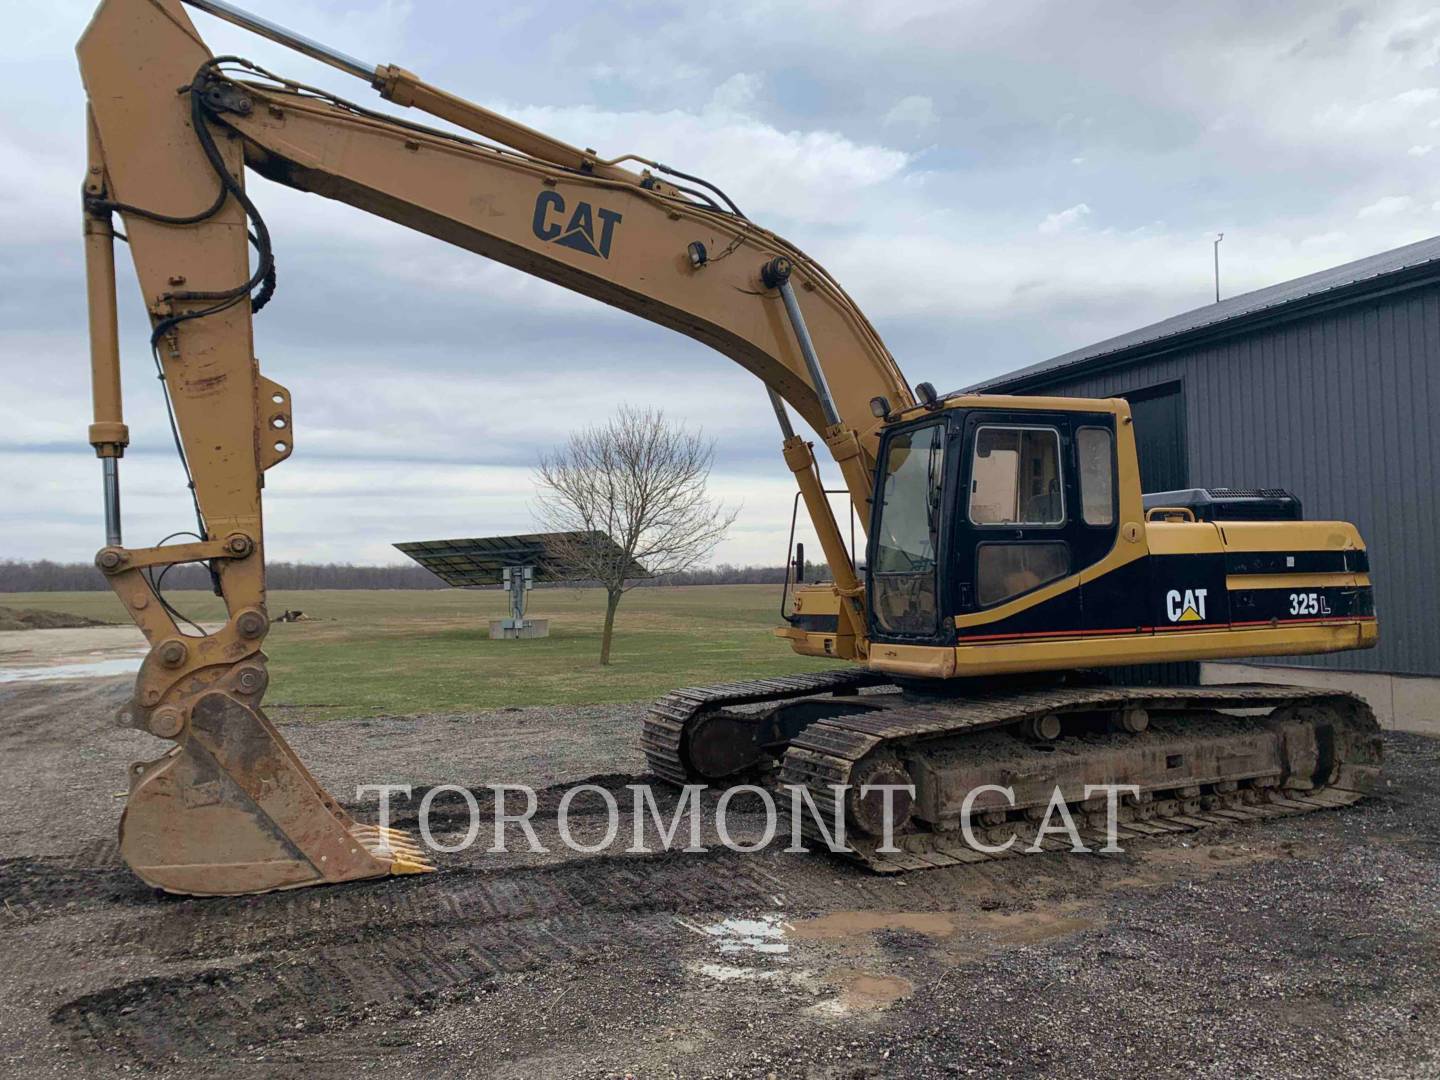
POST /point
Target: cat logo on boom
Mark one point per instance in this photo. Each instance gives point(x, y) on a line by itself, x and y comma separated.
point(579, 230)
point(1188, 606)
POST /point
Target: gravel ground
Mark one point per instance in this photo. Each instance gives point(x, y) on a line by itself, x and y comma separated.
point(1299, 947)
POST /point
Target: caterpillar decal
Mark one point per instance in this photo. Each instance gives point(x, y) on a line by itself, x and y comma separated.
point(579, 232)
point(1188, 606)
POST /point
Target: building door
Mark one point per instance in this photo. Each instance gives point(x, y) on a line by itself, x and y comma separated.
point(1159, 413)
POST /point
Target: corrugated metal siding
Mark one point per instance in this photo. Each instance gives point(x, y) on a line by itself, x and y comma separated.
point(1340, 408)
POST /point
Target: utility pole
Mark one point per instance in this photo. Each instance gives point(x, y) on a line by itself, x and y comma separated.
point(1218, 238)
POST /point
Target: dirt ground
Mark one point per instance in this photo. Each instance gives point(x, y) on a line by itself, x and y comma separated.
point(1300, 947)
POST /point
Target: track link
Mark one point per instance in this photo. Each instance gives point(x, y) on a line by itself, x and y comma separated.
point(663, 735)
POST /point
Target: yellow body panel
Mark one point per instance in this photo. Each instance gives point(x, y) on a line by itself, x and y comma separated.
point(1003, 658)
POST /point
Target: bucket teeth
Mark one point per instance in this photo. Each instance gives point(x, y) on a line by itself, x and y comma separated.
point(389, 836)
point(411, 866)
point(393, 844)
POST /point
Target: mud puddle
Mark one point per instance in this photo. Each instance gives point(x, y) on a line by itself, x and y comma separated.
point(847, 924)
point(862, 992)
point(999, 928)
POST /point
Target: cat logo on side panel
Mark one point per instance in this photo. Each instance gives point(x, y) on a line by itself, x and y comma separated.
point(1187, 606)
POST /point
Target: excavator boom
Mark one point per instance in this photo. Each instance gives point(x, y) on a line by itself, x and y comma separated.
point(172, 129)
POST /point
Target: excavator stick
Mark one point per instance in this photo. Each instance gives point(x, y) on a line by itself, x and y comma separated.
point(229, 808)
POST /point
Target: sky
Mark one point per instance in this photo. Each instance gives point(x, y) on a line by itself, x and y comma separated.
point(993, 183)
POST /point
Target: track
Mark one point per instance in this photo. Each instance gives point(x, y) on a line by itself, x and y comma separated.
point(667, 724)
point(1322, 746)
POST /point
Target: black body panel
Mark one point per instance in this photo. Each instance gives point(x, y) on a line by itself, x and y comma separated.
point(1298, 562)
point(1230, 504)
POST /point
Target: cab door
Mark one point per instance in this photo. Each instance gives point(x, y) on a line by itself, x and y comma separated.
point(1017, 526)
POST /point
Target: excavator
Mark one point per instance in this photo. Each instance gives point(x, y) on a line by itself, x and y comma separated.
point(1011, 557)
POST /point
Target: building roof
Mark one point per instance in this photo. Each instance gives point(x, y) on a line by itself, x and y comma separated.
point(1368, 271)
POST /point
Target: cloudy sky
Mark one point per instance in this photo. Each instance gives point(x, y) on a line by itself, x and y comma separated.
point(993, 182)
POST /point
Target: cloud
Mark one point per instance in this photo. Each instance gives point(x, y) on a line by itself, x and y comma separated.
point(1064, 219)
point(737, 94)
point(1424, 95)
point(39, 187)
point(1386, 206)
point(913, 115)
point(824, 171)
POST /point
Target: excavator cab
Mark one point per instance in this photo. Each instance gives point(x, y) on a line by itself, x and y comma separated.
point(1009, 535)
point(980, 507)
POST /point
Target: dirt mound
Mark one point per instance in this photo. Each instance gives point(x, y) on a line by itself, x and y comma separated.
point(31, 619)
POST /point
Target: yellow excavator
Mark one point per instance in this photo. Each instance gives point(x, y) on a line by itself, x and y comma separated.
point(1010, 555)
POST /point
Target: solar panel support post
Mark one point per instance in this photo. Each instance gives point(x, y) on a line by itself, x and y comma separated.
point(518, 581)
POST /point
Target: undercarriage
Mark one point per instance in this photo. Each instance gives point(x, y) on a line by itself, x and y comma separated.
point(979, 775)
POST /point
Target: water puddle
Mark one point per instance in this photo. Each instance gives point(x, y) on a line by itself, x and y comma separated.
point(80, 669)
point(762, 934)
point(756, 951)
point(984, 928)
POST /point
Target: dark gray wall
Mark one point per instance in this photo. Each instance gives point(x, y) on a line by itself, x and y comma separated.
point(1339, 408)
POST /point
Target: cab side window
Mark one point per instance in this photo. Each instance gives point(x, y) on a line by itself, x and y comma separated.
point(1006, 570)
point(1095, 447)
point(1016, 477)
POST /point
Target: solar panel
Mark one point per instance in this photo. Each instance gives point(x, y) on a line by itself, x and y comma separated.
point(480, 560)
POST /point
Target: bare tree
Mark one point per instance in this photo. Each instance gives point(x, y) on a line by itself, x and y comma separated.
point(640, 480)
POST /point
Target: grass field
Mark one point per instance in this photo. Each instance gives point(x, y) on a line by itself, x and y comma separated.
point(394, 652)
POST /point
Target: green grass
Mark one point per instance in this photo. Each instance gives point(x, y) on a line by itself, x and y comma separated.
point(401, 652)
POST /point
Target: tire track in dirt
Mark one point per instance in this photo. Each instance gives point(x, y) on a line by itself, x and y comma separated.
point(333, 959)
point(156, 1020)
point(460, 897)
point(622, 886)
point(356, 953)
point(34, 890)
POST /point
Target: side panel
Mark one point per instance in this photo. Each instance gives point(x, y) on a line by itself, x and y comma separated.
point(1187, 578)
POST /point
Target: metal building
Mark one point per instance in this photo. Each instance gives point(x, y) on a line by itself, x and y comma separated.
point(1328, 386)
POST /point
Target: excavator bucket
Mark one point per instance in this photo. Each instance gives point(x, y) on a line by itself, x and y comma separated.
point(230, 809)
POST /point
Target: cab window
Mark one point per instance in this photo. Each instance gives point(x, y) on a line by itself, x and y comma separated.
point(1006, 570)
point(1095, 447)
point(1015, 479)
point(907, 541)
